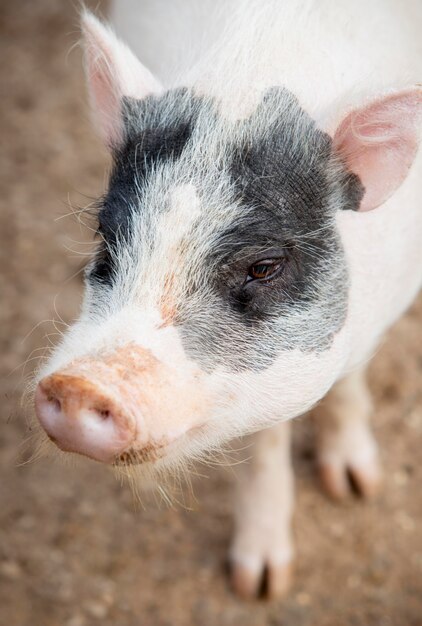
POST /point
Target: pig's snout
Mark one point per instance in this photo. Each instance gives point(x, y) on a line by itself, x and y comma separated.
point(81, 416)
point(124, 406)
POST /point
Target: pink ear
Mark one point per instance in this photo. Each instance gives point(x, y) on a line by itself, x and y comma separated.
point(379, 143)
point(112, 72)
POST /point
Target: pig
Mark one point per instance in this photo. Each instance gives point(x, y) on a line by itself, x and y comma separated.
point(260, 231)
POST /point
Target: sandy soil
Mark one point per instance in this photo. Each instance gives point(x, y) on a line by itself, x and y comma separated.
point(75, 550)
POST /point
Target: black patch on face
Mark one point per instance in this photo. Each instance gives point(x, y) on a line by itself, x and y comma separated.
point(287, 184)
point(157, 130)
point(290, 179)
point(289, 166)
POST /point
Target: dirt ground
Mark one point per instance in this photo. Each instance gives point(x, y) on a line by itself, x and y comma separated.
point(75, 550)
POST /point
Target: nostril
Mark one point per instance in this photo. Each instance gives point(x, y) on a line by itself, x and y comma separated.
point(48, 406)
point(55, 404)
point(104, 414)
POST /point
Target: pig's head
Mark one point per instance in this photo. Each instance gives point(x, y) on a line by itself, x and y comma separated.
point(217, 301)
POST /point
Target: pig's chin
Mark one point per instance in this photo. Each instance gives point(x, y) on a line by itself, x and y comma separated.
point(157, 457)
point(129, 457)
point(134, 456)
point(147, 455)
point(165, 453)
point(150, 454)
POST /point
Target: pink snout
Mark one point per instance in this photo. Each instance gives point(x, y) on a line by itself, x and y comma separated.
point(81, 416)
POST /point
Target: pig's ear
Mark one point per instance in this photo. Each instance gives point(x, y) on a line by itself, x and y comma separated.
point(379, 143)
point(112, 72)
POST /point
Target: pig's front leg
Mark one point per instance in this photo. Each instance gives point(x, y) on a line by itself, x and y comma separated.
point(346, 449)
point(261, 552)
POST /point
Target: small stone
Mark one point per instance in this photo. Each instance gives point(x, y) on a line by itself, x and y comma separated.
point(97, 610)
point(302, 598)
point(87, 509)
point(376, 576)
point(11, 570)
point(106, 589)
point(76, 620)
point(415, 419)
point(353, 581)
point(26, 522)
point(417, 560)
point(204, 575)
point(56, 556)
point(400, 478)
point(108, 598)
point(405, 522)
point(337, 529)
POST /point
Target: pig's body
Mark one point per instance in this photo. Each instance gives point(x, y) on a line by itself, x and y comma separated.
point(243, 271)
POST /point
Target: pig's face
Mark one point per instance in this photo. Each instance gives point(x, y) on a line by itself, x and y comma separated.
point(224, 232)
point(219, 287)
point(217, 300)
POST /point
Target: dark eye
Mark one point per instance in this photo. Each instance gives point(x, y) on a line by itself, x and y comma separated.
point(265, 270)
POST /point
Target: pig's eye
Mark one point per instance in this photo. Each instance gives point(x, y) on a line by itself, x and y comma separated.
point(265, 270)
